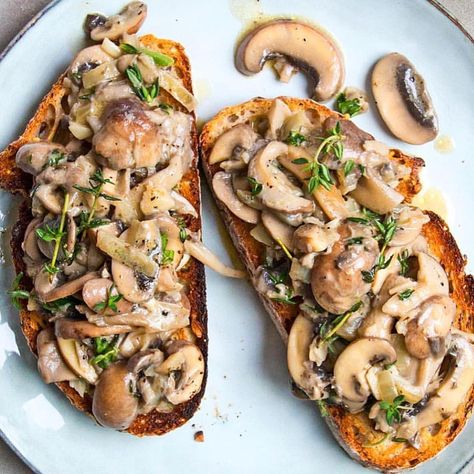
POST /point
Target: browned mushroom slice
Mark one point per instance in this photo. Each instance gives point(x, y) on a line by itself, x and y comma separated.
point(222, 185)
point(50, 363)
point(69, 288)
point(89, 58)
point(129, 20)
point(114, 405)
point(72, 329)
point(278, 192)
point(403, 100)
point(239, 136)
point(301, 45)
point(336, 278)
point(372, 192)
point(280, 232)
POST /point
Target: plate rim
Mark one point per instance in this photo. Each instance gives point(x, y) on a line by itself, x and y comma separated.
point(435, 3)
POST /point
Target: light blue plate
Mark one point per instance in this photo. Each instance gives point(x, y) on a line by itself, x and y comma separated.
point(250, 421)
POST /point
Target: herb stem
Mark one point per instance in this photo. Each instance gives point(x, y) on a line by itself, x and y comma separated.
point(342, 322)
point(284, 248)
point(57, 244)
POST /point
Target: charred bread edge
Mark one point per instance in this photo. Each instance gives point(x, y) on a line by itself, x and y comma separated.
point(12, 179)
point(351, 430)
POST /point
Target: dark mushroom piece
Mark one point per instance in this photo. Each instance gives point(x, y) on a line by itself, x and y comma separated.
point(403, 100)
point(114, 404)
point(297, 44)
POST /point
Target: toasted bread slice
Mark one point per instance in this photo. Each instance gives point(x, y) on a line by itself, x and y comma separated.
point(43, 126)
point(354, 432)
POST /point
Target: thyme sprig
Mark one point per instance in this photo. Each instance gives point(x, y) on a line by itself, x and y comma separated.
point(146, 94)
point(110, 301)
point(392, 409)
point(16, 293)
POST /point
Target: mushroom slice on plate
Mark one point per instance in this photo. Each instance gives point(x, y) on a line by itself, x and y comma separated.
point(301, 45)
point(352, 365)
point(128, 21)
point(239, 136)
point(222, 186)
point(403, 100)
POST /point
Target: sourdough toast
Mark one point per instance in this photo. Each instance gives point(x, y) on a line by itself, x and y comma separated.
point(44, 126)
point(353, 431)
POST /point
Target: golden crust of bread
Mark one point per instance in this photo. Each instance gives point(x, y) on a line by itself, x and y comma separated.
point(353, 432)
point(12, 179)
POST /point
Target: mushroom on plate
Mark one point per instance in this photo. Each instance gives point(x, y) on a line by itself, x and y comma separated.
point(300, 45)
point(403, 100)
point(129, 20)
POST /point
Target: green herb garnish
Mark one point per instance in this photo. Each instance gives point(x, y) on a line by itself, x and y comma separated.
point(392, 410)
point(110, 302)
point(160, 59)
point(167, 256)
point(294, 138)
point(256, 187)
point(339, 321)
point(58, 305)
point(403, 261)
point(165, 107)
point(405, 294)
point(54, 158)
point(320, 176)
point(323, 408)
point(347, 106)
point(17, 294)
point(287, 298)
point(354, 241)
point(284, 248)
point(147, 94)
point(348, 167)
point(105, 352)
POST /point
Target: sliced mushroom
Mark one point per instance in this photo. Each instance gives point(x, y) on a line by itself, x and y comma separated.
point(50, 363)
point(314, 238)
point(278, 192)
point(299, 341)
point(280, 232)
point(74, 329)
point(431, 281)
point(133, 282)
point(33, 157)
point(99, 290)
point(241, 136)
point(372, 192)
point(353, 363)
point(114, 404)
point(301, 45)
point(450, 394)
point(403, 100)
point(337, 281)
point(222, 186)
point(69, 288)
point(197, 250)
point(410, 222)
point(185, 369)
point(30, 242)
point(277, 116)
point(129, 20)
point(75, 357)
point(50, 198)
point(89, 58)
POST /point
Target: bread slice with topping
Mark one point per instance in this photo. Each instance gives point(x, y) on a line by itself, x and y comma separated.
point(354, 278)
point(164, 334)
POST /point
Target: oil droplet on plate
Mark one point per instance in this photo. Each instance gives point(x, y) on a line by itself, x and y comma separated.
point(202, 89)
point(246, 10)
point(444, 144)
point(432, 199)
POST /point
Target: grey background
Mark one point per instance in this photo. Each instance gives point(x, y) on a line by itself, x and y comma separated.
point(14, 14)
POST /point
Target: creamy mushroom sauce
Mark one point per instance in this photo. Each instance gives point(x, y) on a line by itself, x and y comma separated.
point(374, 327)
point(109, 234)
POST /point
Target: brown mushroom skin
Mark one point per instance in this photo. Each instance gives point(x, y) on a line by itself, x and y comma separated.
point(336, 279)
point(299, 44)
point(128, 138)
point(114, 405)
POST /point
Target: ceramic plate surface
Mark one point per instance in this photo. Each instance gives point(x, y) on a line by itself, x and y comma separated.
point(250, 421)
